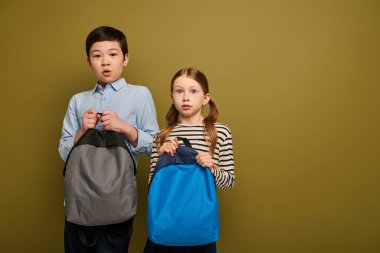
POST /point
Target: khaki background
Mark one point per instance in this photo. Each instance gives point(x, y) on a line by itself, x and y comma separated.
point(296, 81)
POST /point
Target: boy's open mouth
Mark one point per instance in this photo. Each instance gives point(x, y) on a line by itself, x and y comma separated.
point(106, 72)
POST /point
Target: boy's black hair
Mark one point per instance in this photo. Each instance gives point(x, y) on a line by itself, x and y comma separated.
point(106, 33)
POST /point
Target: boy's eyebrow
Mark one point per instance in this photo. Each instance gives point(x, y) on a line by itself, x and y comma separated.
point(97, 50)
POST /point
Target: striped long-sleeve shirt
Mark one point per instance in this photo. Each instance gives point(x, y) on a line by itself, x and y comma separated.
point(223, 155)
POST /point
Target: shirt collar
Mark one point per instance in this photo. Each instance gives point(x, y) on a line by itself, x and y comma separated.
point(116, 86)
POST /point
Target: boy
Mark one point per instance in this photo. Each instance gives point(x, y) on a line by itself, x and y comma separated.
point(111, 105)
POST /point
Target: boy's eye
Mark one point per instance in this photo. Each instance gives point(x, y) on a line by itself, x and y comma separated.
point(113, 54)
point(96, 55)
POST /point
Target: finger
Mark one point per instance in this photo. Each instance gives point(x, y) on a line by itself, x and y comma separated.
point(175, 141)
point(199, 157)
point(173, 147)
point(91, 111)
point(89, 116)
point(89, 122)
point(105, 122)
point(89, 125)
point(170, 149)
point(106, 112)
point(106, 116)
point(109, 113)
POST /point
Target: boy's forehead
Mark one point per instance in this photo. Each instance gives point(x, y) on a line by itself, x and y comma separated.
point(105, 46)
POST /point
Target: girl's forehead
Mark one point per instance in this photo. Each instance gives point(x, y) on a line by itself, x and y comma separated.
point(184, 81)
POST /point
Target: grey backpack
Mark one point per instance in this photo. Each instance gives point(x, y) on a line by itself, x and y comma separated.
point(100, 180)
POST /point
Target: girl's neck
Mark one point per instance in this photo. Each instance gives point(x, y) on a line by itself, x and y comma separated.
point(191, 121)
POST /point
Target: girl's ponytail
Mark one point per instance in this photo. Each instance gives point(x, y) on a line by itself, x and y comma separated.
point(171, 121)
point(209, 125)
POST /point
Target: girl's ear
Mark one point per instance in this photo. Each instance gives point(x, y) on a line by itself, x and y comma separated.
point(206, 99)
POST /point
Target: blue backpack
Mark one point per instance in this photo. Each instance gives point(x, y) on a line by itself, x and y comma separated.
point(182, 201)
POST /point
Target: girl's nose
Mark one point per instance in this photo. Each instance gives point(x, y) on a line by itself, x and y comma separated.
point(185, 97)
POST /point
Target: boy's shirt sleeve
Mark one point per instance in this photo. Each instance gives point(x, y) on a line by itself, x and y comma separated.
point(70, 128)
point(147, 125)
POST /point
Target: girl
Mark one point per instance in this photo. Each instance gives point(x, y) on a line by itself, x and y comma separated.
point(212, 140)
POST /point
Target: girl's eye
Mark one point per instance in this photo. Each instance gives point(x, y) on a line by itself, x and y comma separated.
point(193, 91)
point(178, 91)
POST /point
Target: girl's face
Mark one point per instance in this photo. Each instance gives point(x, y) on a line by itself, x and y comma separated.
point(188, 98)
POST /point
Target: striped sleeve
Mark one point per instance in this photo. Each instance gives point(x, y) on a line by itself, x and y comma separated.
point(153, 158)
point(225, 171)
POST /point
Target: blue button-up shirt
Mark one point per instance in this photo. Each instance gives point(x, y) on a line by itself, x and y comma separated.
point(132, 103)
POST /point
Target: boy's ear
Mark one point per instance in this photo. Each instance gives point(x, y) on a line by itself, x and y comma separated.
point(88, 61)
point(207, 98)
point(126, 59)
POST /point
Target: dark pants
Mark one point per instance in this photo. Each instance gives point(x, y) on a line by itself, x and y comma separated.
point(151, 247)
point(113, 238)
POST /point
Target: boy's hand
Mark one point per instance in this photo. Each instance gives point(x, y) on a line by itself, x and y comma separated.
point(111, 121)
point(205, 160)
point(169, 147)
point(90, 119)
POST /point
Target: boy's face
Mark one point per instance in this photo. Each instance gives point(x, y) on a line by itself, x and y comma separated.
point(107, 61)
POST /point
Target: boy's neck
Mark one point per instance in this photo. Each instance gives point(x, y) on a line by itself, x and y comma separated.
point(105, 84)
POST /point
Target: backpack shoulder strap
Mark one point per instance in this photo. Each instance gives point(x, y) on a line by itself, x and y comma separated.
point(185, 141)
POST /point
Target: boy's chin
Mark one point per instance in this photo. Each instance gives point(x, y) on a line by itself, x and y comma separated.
point(105, 81)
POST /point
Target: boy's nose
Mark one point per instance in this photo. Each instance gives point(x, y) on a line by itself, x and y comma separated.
point(105, 61)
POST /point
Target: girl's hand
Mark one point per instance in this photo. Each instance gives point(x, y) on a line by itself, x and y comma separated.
point(205, 160)
point(169, 147)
